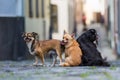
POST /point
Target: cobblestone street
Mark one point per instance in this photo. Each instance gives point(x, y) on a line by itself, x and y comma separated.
point(23, 70)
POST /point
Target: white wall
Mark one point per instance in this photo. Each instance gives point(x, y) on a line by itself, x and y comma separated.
point(63, 21)
point(91, 6)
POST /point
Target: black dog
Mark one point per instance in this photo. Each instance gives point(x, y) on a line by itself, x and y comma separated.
point(91, 56)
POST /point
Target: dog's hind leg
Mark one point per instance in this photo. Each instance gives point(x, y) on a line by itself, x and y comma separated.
point(54, 60)
point(36, 61)
point(59, 55)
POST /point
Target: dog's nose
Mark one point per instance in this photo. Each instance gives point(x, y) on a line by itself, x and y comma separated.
point(62, 42)
point(97, 36)
point(25, 38)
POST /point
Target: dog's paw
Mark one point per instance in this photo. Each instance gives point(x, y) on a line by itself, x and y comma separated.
point(35, 64)
point(64, 64)
point(61, 64)
point(39, 65)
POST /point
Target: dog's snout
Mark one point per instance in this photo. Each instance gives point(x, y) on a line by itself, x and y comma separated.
point(64, 40)
point(97, 36)
point(26, 38)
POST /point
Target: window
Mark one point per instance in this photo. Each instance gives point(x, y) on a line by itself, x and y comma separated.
point(30, 9)
point(38, 5)
point(37, 8)
point(54, 18)
point(42, 4)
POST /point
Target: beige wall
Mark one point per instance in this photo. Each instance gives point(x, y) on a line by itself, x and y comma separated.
point(37, 24)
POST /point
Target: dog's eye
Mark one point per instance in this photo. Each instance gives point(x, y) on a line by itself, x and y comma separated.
point(29, 36)
point(66, 39)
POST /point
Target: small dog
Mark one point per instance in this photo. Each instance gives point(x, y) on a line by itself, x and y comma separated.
point(91, 56)
point(73, 53)
point(40, 48)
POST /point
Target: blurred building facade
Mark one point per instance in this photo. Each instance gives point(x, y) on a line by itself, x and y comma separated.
point(110, 21)
point(50, 18)
point(11, 28)
point(116, 11)
point(112, 12)
point(37, 17)
point(62, 17)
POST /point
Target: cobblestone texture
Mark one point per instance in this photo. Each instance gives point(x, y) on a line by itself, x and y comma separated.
point(23, 70)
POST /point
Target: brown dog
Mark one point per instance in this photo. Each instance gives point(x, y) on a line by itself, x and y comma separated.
point(73, 53)
point(40, 48)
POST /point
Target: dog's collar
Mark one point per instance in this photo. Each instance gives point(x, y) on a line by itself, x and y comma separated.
point(72, 44)
point(33, 45)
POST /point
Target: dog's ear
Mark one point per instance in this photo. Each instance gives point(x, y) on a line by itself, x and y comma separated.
point(93, 30)
point(34, 33)
point(72, 35)
point(65, 32)
point(36, 36)
point(23, 34)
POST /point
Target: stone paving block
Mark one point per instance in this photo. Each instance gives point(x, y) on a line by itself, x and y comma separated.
point(22, 70)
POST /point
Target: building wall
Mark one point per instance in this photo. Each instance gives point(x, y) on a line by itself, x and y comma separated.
point(71, 9)
point(38, 24)
point(111, 23)
point(11, 29)
point(92, 6)
point(117, 26)
point(12, 9)
point(63, 21)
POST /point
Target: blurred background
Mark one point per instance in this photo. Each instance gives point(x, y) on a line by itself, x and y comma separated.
point(50, 18)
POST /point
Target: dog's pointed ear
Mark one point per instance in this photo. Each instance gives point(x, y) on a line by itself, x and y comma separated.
point(23, 34)
point(36, 36)
point(34, 33)
point(72, 35)
point(65, 32)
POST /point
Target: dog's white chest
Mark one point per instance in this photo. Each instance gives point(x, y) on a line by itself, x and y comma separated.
point(29, 47)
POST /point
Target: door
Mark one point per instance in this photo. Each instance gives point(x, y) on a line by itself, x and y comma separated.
point(35, 17)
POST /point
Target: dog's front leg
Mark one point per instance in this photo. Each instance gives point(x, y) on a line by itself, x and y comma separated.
point(42, 59)
point(36, 61)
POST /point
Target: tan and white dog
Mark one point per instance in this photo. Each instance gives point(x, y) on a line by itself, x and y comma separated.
point(40, 48)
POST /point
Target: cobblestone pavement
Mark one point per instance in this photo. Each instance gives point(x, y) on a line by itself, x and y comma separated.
point(23, 70)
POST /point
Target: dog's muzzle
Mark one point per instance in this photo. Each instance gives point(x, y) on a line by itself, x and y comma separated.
point(97, 37)
point(27, 39)
point(63, 42)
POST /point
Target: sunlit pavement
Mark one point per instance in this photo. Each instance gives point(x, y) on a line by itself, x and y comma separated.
point(23, 70)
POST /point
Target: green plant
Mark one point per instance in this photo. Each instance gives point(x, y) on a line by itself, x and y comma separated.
point(84, 75)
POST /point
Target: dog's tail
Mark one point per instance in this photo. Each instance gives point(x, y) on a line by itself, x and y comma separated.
point(52, 53)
